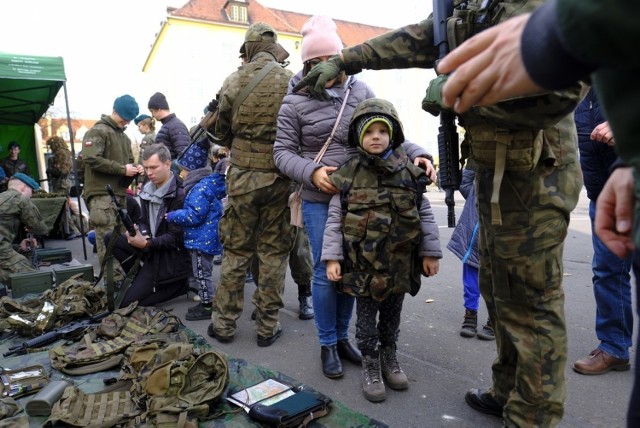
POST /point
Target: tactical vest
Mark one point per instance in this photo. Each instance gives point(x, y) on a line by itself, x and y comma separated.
point(514, 135)
point(381, 233)
point(254, 122)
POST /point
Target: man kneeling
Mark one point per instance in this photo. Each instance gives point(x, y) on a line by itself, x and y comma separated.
point(165, 262)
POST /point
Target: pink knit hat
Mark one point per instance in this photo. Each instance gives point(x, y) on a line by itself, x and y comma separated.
point(320, 38)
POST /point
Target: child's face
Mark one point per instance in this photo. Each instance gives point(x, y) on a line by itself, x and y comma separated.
point(376, 138)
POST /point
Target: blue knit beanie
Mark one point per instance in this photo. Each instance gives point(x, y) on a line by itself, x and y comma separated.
point(195, 156)
point(140, 118)
point(126, 107)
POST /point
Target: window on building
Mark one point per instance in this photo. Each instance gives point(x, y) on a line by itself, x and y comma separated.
point(238, 13)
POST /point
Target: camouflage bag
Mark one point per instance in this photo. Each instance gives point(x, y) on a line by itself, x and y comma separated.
point(92, 354)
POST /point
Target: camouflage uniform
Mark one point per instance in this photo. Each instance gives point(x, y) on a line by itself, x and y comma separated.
point(106, 151)
point(522, 233)
point(16, 209)
point(256, 217)
point(148, 139)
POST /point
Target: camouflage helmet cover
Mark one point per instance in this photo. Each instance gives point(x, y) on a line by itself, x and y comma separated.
point(260, 32)
point(377, 107)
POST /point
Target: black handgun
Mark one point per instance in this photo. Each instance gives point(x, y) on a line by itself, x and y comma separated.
point(122, 212)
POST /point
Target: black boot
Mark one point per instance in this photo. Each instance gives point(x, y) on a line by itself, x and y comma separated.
point(306, 303)
point(331, 364)
point(349, 352)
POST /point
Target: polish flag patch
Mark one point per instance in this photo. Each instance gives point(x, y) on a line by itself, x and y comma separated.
point(88, 143)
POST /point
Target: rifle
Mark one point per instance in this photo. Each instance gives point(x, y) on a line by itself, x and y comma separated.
point(448, 150)
point(34, 255)
point(207, 122)
point(122, 212)
point(54, 335)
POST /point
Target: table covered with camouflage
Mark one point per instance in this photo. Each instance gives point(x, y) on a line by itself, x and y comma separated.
point(242, 374)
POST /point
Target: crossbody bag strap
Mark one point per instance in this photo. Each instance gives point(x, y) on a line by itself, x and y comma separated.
point(333, 131)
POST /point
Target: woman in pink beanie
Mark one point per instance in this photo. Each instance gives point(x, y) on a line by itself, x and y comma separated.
point(304, 125)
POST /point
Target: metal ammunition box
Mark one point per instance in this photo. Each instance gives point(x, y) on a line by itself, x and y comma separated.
point(29, 282)
point(54, 255)
point(62, 274)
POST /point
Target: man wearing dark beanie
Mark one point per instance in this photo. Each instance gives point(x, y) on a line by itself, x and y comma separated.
point(173, 133)
point(108, 159)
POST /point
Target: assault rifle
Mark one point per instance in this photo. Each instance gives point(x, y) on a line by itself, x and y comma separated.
point(208, 121)
point(448, 150)
point(53, 335)
point(34, 254)
point(122, 212)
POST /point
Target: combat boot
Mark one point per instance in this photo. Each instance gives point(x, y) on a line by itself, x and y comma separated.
point(391, 371)
point(306, 303)
point(470, 323)
point(372, 383)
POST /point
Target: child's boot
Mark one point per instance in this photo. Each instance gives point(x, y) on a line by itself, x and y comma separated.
point(487, 332)
point(470, 323)
point(391, 371)
point(372, 384)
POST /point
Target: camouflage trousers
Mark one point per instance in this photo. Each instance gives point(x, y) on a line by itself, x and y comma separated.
point(12, 261)
point(386, 330)
point(104, 217)
point(521, 282)
point(257, 223)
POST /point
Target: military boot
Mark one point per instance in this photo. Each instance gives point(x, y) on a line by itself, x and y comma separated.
point(391, 371)
point(470, 323)
point(372, 383)
point(306, 303)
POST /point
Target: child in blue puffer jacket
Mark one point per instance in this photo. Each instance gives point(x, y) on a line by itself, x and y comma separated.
point(199, 219)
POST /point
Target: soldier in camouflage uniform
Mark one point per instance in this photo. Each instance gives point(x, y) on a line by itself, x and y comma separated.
point(147, 127)
point(382, 231)
point(108, 159)
point(16, 208)
point(256, 217)
point(522, 233)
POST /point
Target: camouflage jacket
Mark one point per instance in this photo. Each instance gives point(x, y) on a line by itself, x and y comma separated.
point(106, 150)
point(412, 46)
point(16, 209)
point(380, 225)
point(252, 128)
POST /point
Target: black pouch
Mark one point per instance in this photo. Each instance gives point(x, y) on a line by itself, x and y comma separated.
point(297, 410)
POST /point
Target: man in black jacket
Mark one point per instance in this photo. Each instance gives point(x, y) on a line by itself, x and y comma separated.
point(165, 262)
point(174, 133)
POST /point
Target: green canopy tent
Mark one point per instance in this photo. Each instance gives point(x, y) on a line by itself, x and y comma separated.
point(28, 87)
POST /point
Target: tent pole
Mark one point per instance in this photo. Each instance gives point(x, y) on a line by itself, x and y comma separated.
point(75, 170)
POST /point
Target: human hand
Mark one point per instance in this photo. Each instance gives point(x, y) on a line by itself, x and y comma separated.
point(139, 241)
point(614, 212)
point(320, 179)
point(430, 266)
point(333, 270)
point(130, 170)
point(603, 134)
point(487, 68)
point(426, 164)
point(25, 243)
point(318, 77)
point(140, 169)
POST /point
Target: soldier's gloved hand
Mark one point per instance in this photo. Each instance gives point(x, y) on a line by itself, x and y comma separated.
point(432, 102)
point(319, 75)
point(213, 105)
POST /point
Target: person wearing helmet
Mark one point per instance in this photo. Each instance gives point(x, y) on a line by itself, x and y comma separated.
point(379, 260)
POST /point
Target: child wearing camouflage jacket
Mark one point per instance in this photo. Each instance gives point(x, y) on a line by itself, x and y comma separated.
point(380, 237)
point(199, 219)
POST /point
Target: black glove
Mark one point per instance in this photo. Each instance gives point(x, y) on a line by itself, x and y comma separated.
point(213, 105)
point(319, 75)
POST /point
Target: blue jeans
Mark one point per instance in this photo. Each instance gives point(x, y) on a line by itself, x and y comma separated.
point(612, 291)
point(332, 309)
point(471, 292)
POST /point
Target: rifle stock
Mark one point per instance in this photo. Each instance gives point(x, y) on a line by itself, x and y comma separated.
point(448, 150)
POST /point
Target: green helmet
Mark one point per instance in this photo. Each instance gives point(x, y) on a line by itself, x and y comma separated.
point(371, 108)
point(260, 32)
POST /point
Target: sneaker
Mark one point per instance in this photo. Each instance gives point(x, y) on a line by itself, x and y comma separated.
point(487, 332)
point(470, 323)
point(391, 371)
point(306, 307)
point(203, 312)
point(193, 308)
point(372, 383)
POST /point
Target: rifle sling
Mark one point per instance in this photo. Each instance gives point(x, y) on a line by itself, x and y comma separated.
point(251, 86)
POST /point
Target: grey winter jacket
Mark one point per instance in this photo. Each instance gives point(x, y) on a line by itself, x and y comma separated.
point(463, 240)
point(305, 123)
